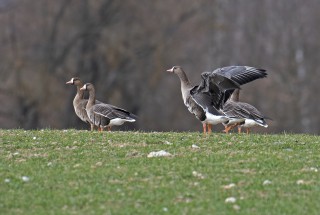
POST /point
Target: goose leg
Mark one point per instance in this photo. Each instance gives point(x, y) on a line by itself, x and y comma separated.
point(239, 129)
point(227, 129)
point(101, 128)
point(233, 126)
point(109, 128)
point(92, 127)
point(204, 125)
point(209, 128)
point(248, 130)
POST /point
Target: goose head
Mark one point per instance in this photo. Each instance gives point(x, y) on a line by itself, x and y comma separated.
point(175, 69)
point(87, 86)
point(75, 81)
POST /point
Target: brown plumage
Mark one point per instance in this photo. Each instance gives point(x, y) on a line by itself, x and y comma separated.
point(200, 100)
point(242, 114)
point(79, 103)
point(206, 100)
point(104, 115)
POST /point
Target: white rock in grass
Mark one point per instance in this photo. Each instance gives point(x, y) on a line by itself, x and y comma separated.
point(168, 143)
point(313, 169)
point(25, 178)
point(299, 182)
point(266, 182)
point(197, 174)
point(236, 207)
point(7, 180)
point(229, 186)
point(161, 153)
point(165, 209)
point(34, 138)
point(194, 146)
point(230, 200)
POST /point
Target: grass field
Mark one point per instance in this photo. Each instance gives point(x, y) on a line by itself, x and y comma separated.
point(82, 172)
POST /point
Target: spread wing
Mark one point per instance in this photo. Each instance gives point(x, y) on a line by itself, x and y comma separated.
point(239, 74)
point(205, 101)
point(211, 91)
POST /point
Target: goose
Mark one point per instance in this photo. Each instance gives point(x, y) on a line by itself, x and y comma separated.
point(201, 103)
point(79, 103)
point(244, 114)
point(232, 109)
point(205, 101)
point(105, 115)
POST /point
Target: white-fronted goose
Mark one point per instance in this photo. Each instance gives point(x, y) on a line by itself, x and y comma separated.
point(105, 115)
point(206, 100)
point(201, 102)
point(79, 103)
point(233, 110)
point(245, 115)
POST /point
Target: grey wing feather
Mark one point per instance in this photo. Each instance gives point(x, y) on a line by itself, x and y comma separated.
point(233, 109)
point(111, 112)
point(124, 112)
point(211, 90)
point(254, 112)
point(241, 74)
point(242, 110)
point(205, 101)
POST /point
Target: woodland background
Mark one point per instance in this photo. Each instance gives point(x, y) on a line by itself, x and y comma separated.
point(124, 47)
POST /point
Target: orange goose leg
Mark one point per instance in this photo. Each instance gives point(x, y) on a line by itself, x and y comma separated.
point(248, 130)
point(109, 128)
point(239, 129)
point(209, 128)
point(204, 125)
point(228, 128)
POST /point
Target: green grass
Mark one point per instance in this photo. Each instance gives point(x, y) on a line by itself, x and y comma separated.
point(82, 172)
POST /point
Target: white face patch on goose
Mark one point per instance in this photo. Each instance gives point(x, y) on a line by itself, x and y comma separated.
point(171, 70)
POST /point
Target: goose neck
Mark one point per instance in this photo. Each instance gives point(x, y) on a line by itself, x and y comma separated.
point(185, 82)
point(80, 93)
point(92, 97)
point(235, 95)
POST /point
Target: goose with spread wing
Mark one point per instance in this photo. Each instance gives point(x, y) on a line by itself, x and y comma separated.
point(242, 114)
point(206, 100)
point(105, 115)
point(201, 102)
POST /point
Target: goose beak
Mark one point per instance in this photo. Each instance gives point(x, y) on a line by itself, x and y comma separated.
point(170, 70)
